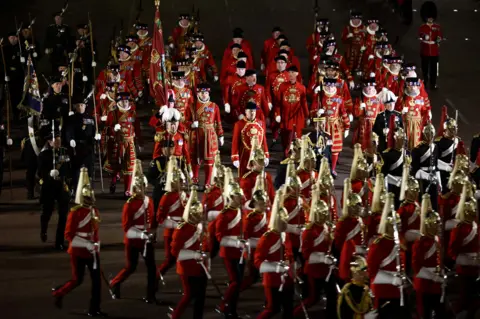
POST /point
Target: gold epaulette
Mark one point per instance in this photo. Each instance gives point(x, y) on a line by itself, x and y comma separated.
point(377, 240)
point(476, 135)
point(447, 195)
point(74, 208)
point(285, 161)
point(181, 225)
point(309, 226)
point(267, 232)
point(346, 287)
point(387, 150)
point(246, 174)
point(438, 138)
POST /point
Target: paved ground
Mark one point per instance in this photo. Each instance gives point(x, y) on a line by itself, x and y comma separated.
point(28, 268)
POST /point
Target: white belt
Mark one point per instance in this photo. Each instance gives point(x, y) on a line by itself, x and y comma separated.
point(212, 215)
point(412, 235)
point(253, 242)
point(82, 234)
point(171, 222)
point(427, 273)
point(226, 238)
point(394, 180)
point(444, 166)
point(294, 229)
point(316, 258)
point(360, 250)
point(451, 224)
point(384, 277)
point(467, 259)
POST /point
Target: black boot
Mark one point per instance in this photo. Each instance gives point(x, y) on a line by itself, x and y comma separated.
point(43, 237)
point(58, 300)
point(115, 291)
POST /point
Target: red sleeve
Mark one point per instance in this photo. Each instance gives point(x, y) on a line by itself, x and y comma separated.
point(265, 146)
point(265, 108)
point(261, 251)
point(402, 211)
point(340, 235)
point(189, 115)
point(137, 74)
point(418, 256)
point(345, 119)
point(138, 131)
point(226, 91)
point(455, 243)
point(246, 225)
point(218, 122)
point(186, 151)
point(303, 101)
point(345, 70)
point(271, 189)
point(399, 104)
point(221, 224)
point(177, 242)
point(268, 88)
point(345, 33)
point(71, 226)
point(126, 220)
point(347, 98)
point(211, 63)
point(356, 108)
point(235, 142)
point(151, 214)
point(278, 97)
point(162, 209)
point(307, 243)
point(373, 260)
point(312, 83)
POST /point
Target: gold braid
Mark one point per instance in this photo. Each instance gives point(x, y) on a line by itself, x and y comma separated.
point(360, 308)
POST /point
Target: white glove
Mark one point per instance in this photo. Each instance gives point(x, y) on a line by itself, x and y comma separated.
point(351, 85)
point(195, 124)
point(94, 64)
point(54, 173)
point(103, 118)
point(349, 35)
point(84, 78)
point(363, 48)
point(73, 143)
point(35, 54)
point(320, 112)
point(215, 78)
point(477, 194)
point(241, 243)
point(144, 235)
point(262, 67)
point(117, 127)
point(371, 56)
point(227, 108)
point(427, 37)
point(345, 134)
point(385, 131)
point(278, 118)
point(90, 246)
point(363, 105)
point(236, 164)
point(221, 140)
point(103, 96)
point(281, 268)
point(405, 110)
point(241, 116)
point(140, 149)
point(350, 117)
point(430, 115)
point(270, 106)
point(315, 57)
point(397, 281)
point(9, 142)
point(329, 260)
point(47, 51)
point(371, 315)
point(70, 113)
point(98, 137)
point(7, 78)
point(438, 278)
point(308, 122)
point(317, 89)
point(171, 45)
point(140, 94)
point(266, 161)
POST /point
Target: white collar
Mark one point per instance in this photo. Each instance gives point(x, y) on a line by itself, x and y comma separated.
point(355, 26)
point(370, 31)
point(371, 95)
point(178, 86)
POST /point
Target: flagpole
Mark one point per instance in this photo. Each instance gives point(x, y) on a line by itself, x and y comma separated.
point(8, 103)
point(163, 67)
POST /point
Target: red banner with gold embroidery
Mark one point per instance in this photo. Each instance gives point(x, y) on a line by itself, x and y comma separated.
point(158, 72)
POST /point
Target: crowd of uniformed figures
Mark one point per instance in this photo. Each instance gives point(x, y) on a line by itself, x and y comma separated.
point(401, 242)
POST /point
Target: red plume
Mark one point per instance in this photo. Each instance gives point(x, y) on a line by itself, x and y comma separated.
point(391, 133)
point(367, 136)
point(443, 118)
point(461, 149)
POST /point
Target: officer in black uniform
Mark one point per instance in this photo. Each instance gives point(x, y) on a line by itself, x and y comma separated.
point(322, 142)
point(424, 165)
point(393, 159)
point(54, 173)
point(80, 134)
point(294, 152)
point(15, 72)
point(34, 45)
point(55, 105)
point(58, 41)
point(380, 127)
point(157, 175)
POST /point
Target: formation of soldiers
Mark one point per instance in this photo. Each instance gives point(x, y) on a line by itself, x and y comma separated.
point(402, 236)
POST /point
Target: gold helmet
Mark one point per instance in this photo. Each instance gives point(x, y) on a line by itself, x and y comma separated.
point(324, 179)
point(467, 207)
point(457, 179)
point(319, 210)
point(352, 202)
point(358, 264)
point(429, 132)
point(379, 194)
point(174, 174)
point(193, 212)
point(450, 126)
point(139, 181)
point(256, 154)
point(218, 171)
point(307, 154)
point(400, 137)
point(84, 189)
point(292, 180)
point(430, 220)
point(279, 215)
point(259, 194)
point(359, 168)
point(230, 187)
point(387, 222)
point(463, 163)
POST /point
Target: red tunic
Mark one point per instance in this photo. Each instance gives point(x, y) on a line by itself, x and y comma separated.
point(246, 48)
point(191, 237)
point(131, 73)
point(247, 183)
point(213, 204)
point(425, 253)
point(371, 226)
point(430, 36)
point(183, 99)
point(170, 211)
point(348, 240)
point(231, 93)
point(256, 224)
point(229, 224)
point(382, 251)
point(307, 179)
point(203, 62)
point(369, 113)
point(255, 93)
point(293, 108)
point(145, 45)
point(80, 223)
point(410, 218)
point(295, 207)
point(209, 130)
point(291, 61)
point(268, 45)
point(138, 213)
point(243, 132)
point(463, 248)
point(448, 206)
point(270, 248)
point(370, 42)
point(316, 238)
point(178, 40)
point(272, 85)
point(415, 118)
point(354, 44)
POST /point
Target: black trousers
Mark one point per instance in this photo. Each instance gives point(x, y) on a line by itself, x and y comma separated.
point(157, 194)
point(317, 286)
point(431, 303)
point(276, 301)
point(235, 272)
point(131, 255)
point(430, 68)
point(432, 191)
point(391, 309)
point(30, 159)
point(194, 288)
point(51, 193)
point(2, 156)
point(298, 256)
point(78, 272)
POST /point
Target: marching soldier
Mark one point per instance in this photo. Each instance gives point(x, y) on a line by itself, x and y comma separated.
point(272, 86)
point(231, 90)
point(336, 67)
point(251, 91)
point(170, 210)
point(382, 122)
point(393, 159)
point(287, 52)
point(14, 74)
point(319, 263)
point(213, 202)
point(322, 141)
point(273, 259)
point(463, 248)
point(326, 189)
point(33, 44)
point(315, 40)
point(426, 264)
point(189, 249)
point(268, 46)
point(386, 263)
point(391, 78)
point(124, 129)
point(229, 229)
point(58, 40)
point(136, 54)
point(81, 136)
point(203, 61)
point(255, 226)
point(206, 134)
point(372, 32)
point(30, 147)
point(130, 73)
point(178, 40)
point(229, 63)
point(140, 227)
point(353, 37)
point(183, 94)
point(82, 233)
point(375, 60)
point(448, 145)
point(54, 172)
point(145, 46)
point(244, 131)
